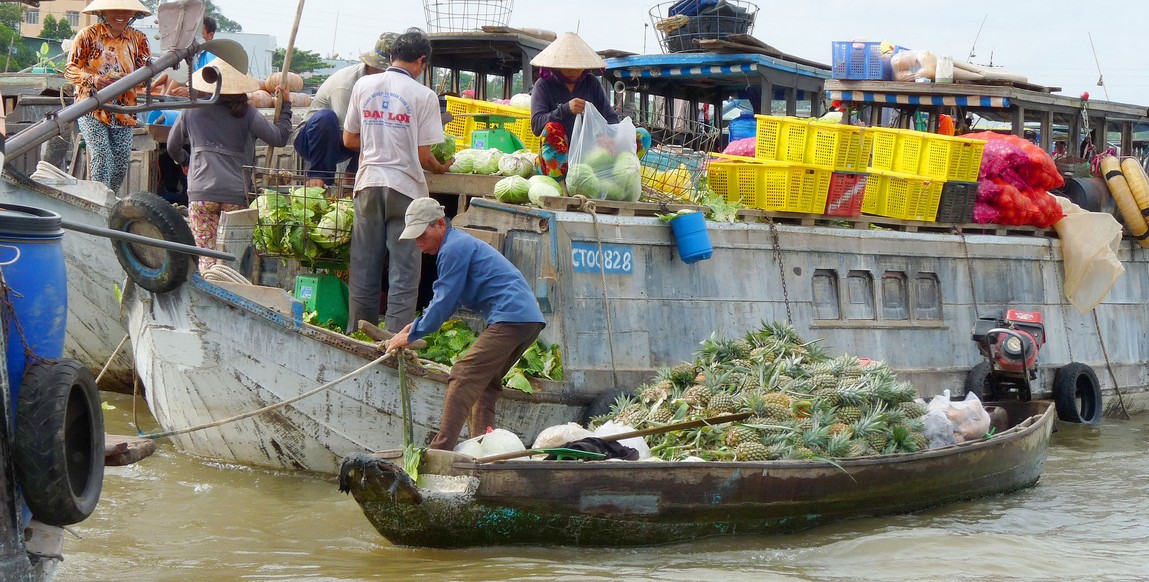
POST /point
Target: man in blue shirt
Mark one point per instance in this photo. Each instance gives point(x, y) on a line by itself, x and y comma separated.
point(474, 275)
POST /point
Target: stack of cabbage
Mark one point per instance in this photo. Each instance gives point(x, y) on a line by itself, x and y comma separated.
point(493, 162)
point(605, 175)
point(520, 190)
point(304, 225)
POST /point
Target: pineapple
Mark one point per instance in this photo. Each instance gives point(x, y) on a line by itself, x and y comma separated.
point(841, 427)
point(740, 434)
point(777, 412)
point(722, 402)
point(661, 415)
point(828, 395)
point(682, 375)
point(778, 398)
point(849, 414)
point(697, 396)
point(912, 409)
point(751, 451)
point(871, 428)
point(901, 439)
point(839, 445)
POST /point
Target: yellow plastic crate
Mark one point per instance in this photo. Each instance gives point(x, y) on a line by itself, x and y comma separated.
point(951, 158)
point(771, 185)
point(897, 150)
point(781, 139)
point(461, 127)
point(834, 146)
point(902, 196)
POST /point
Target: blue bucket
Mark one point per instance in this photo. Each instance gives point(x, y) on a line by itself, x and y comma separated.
point(691, 237)
point(32, 262)
point(162, 117)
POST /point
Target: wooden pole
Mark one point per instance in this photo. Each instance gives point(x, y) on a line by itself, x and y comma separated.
point(283, 80)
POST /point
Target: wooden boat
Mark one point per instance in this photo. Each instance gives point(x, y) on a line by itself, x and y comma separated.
point(460, 503)
point(210, 351)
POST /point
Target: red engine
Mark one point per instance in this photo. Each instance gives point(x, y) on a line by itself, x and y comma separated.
point(1011, 342)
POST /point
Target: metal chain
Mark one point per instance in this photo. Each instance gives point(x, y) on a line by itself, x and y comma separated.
point(969, 271)
point(781, 269)
point(8, 308)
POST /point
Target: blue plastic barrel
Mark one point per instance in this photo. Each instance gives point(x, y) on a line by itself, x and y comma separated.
point(743, 126)
point(691, 237)
point(32, 262)
point(162, 117)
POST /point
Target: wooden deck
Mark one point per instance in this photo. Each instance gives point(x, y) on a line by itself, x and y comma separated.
point(122, 450)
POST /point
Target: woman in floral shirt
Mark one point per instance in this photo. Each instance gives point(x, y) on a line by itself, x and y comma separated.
point(102, 54)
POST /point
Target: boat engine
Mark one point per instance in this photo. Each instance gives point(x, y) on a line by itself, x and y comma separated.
point(1010, 344)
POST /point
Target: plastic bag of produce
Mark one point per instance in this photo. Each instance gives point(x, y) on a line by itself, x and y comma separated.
point(556, 436)
point(636, 443)
point(494, 442)
point(909, 66)
point(742, 147)
point(603, 158)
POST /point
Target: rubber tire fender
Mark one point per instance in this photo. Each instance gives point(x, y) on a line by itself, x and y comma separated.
point(602, 404)
point(1077, 394)
point(156, 270)
point(977, 381)
point(59, 444)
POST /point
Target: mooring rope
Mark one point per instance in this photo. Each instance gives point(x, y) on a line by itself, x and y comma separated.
point(108, 363)
point(267, 408)
point(587, 205)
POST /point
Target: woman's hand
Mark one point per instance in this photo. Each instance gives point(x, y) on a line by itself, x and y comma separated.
point(576, 105)
point(101, 81)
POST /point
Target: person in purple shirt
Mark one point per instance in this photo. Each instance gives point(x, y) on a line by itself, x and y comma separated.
point(566, 85)
point(474, 275)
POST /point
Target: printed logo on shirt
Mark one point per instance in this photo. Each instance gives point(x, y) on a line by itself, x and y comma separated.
point(393, 111)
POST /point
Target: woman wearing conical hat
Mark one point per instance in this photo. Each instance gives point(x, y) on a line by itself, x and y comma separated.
point(101, 54)
point(567, 84)
point(215, 142)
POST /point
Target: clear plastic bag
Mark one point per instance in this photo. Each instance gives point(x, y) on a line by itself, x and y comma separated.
point(559, 435)
point(603, 159)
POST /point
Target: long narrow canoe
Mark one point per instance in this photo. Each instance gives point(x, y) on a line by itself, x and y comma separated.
point(460, 503)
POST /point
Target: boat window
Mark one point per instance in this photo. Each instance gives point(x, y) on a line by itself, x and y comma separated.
point(825, 294)
point(859, 295)
point(895, 296)
point(927, 297)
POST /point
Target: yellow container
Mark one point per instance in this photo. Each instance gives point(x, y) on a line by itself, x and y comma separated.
point(951, 158)
point(897, 150)
point(771, 185)
point(834, 146)
point(461, 127)
point(781, 139)
point(902, 196)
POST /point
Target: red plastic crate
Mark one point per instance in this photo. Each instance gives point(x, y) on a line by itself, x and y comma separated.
point(847, 191)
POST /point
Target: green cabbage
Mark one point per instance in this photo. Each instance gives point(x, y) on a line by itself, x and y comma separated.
point(334, 228)
point(601, 159)
point(444, 151)
point(516, 165)
point(487, 162)
point(628, 177)
point(464, 161)
point(542, 186)
point(270, 205)
point(512, 189)
point(312, 198)
point(581, 181)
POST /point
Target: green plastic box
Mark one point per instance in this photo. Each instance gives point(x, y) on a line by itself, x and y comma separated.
point(324, 294)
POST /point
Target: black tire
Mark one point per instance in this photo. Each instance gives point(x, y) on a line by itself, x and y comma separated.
point(977, 381)
point(1077, 394)
point(59, 444)
point(601, 404)
point(154, 269)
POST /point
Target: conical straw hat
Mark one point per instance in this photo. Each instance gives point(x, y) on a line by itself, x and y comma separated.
point(569, 52)
point(103, 5)
point(234, 82)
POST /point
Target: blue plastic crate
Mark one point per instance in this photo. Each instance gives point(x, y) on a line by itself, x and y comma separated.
point(858, 60)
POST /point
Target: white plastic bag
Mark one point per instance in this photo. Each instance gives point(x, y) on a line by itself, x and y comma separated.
point(559, 435)
point(910, 66)
point(496, 442)
point(636, 443)
point(970, 419)
point(603, 158)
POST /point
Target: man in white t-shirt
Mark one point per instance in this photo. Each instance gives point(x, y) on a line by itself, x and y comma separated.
point(393, 120)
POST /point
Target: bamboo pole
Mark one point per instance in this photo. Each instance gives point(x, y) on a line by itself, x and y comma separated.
point(283, 81)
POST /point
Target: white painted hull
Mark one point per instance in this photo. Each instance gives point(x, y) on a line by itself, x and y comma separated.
point(94, 328)
point(206, 354)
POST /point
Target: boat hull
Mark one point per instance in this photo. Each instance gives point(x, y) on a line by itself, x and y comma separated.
point(209, 352)
point(94, 328)
point(648, 503)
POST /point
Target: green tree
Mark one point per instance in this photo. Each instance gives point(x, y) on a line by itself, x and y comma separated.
point(301, 61)
point(210, 9)
point(11, 15)
point(15, 55)
point(49, 27)
point(63, 29)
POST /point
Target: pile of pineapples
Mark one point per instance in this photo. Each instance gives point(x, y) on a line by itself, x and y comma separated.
point(803, 403)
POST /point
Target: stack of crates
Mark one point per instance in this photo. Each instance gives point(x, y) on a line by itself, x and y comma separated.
point(910, 170)
point(796, 161)
point(462, 126)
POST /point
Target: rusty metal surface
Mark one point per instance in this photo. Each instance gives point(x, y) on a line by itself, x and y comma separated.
point(611, 504)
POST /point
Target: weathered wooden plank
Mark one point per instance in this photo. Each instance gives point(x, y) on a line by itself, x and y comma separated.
point(122, 450)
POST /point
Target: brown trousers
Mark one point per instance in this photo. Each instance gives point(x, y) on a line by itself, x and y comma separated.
point(477, 379)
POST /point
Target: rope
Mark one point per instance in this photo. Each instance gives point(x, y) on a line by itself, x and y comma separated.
point(268, 408)
point(110, 358)
point(221, 273)
point(587, 205)
point(969, 271)
point(1109, 366)
point(8, 310)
